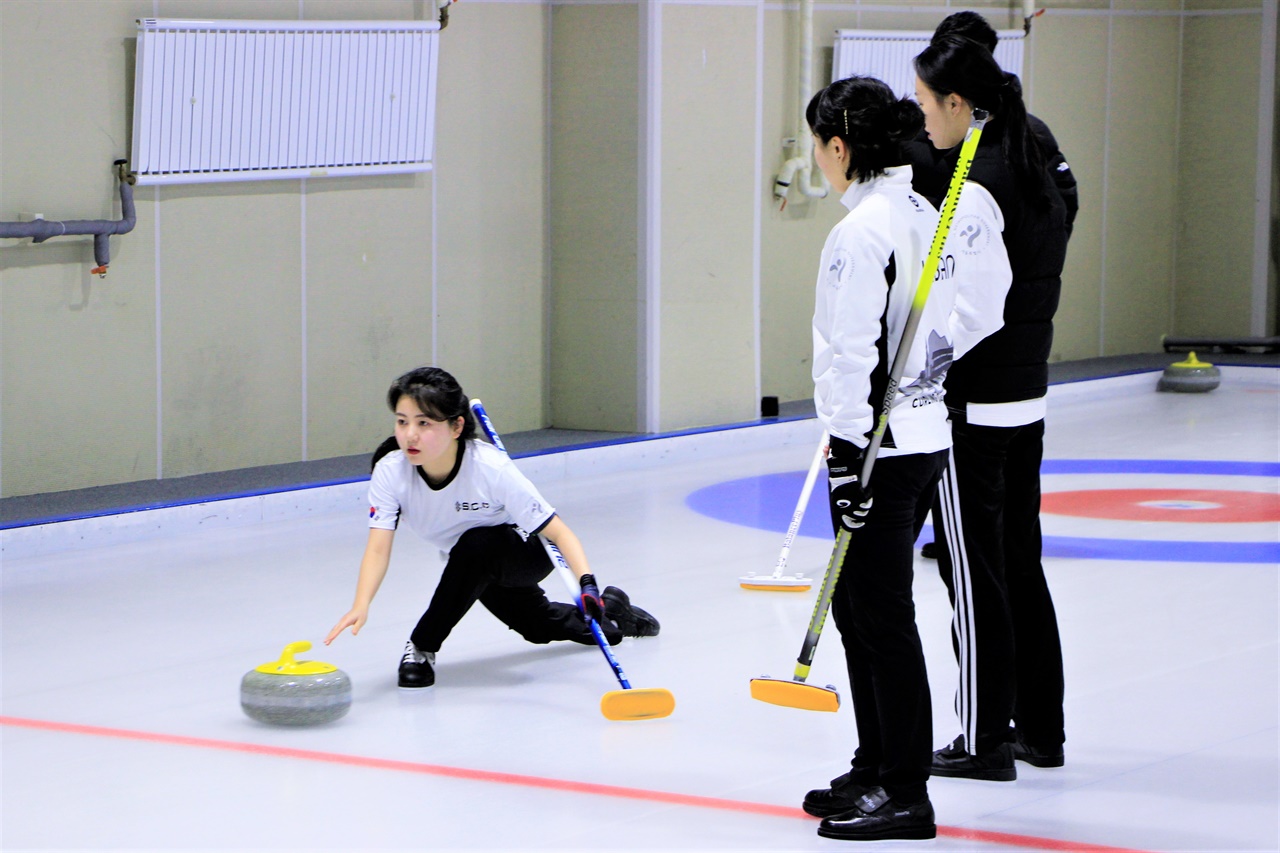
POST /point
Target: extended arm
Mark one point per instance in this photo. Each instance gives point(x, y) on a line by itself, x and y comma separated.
point(373, 568)
point(559, 534)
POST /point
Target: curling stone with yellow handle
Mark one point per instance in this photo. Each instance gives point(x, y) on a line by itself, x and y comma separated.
point(290, 692)
point(1190, 376)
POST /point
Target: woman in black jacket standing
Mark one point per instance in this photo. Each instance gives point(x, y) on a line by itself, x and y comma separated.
point(1005, 629)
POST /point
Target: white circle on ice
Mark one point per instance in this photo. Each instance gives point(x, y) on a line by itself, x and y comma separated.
point(1173, 504)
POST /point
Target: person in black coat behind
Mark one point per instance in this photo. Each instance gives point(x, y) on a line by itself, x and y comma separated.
point(1005, 628)
point(931, 179)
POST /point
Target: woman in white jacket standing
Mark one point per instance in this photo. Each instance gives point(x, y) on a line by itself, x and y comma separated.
point(867, 279)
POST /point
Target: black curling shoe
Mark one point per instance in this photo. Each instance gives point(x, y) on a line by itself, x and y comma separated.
point(417, 668)
point(1035, 756)
point(631, 620)
point(993, 766)
point(877, 817)
point(841, 797)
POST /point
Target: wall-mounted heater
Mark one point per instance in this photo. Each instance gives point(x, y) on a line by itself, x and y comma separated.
point(887, 54)
point(253, 100)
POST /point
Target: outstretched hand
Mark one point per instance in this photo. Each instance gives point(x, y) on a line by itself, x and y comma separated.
point(354, 620)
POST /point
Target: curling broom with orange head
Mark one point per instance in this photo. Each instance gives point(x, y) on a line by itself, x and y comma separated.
point(629, 703)
point(796, 693)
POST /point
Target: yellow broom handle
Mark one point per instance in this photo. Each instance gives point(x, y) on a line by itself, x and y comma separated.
point(927, 274)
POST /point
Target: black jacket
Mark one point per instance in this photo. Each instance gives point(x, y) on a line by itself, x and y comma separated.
point(1013, 363)
point(934, 185)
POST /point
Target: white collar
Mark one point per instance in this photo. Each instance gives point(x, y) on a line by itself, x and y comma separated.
point(859, 190)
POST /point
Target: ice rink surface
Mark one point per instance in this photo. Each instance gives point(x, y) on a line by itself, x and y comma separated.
point(121, 729)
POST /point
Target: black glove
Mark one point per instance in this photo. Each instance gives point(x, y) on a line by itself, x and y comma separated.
point(850, 502)
point(590, 600)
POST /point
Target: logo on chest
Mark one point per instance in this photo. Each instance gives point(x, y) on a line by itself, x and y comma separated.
point(470, 506)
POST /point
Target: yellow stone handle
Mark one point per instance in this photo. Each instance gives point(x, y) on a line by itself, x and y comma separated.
point(1192, 362)
point(287, 665)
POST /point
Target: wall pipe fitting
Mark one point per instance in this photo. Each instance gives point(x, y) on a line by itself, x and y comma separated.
point(102, 230)
point(802, 163)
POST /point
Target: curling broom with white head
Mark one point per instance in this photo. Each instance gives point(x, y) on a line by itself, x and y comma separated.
point(629, 703)
point(797, 582)
point(796, 693)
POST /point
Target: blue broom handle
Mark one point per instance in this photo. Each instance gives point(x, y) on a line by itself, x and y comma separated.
point(557, 559)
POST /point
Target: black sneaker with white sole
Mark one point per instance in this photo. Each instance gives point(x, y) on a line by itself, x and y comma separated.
point(631, 620)
point(417, 669)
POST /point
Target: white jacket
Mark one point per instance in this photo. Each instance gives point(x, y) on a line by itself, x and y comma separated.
point(859, 317)
point(976, 256)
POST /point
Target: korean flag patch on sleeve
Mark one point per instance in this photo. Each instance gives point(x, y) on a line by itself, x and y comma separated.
point(381, 516)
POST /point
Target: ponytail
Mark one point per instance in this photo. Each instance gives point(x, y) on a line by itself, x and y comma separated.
point(956, 65)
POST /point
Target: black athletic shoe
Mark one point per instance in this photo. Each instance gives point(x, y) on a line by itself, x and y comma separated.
point(417, 668)
point(841, 797)
point(929, 550)
point(631, 620)
point(1032, 755)
point(878, 817)
point(993, 766)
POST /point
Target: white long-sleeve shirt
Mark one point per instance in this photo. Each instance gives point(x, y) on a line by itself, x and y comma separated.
point(867, 280)
point(976, 256)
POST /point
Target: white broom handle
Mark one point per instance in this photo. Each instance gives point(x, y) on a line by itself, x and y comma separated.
point(798, 515)
point(562, 567)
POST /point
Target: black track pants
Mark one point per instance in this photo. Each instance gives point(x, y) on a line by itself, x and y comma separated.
point(494, 566)
point(876, 616)
point(1005, 630)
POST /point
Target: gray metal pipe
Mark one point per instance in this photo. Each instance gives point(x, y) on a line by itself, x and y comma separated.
point(102, 230)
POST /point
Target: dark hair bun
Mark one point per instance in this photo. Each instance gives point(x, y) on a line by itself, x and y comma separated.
point(906, 120)
point(870, 118)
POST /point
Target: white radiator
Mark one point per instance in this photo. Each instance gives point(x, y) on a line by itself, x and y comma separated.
point(252, 100)
point(887, 54)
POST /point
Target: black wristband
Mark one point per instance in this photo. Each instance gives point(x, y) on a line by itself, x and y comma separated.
point(843, 447)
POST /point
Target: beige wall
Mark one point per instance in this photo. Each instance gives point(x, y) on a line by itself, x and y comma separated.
point(1217, 151)
point(1141, 190)
point(594, 220)
point(258, 323)
point(1081, 43)
point(491, 207)
point(77, 381)
point(368, 303)
point(706, 339)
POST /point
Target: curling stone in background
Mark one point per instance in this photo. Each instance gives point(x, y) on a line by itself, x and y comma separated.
point(290, 692)
point(1192, 375)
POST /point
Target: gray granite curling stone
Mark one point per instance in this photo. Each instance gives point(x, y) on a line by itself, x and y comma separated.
point(1190, 376)
point(288, 692)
